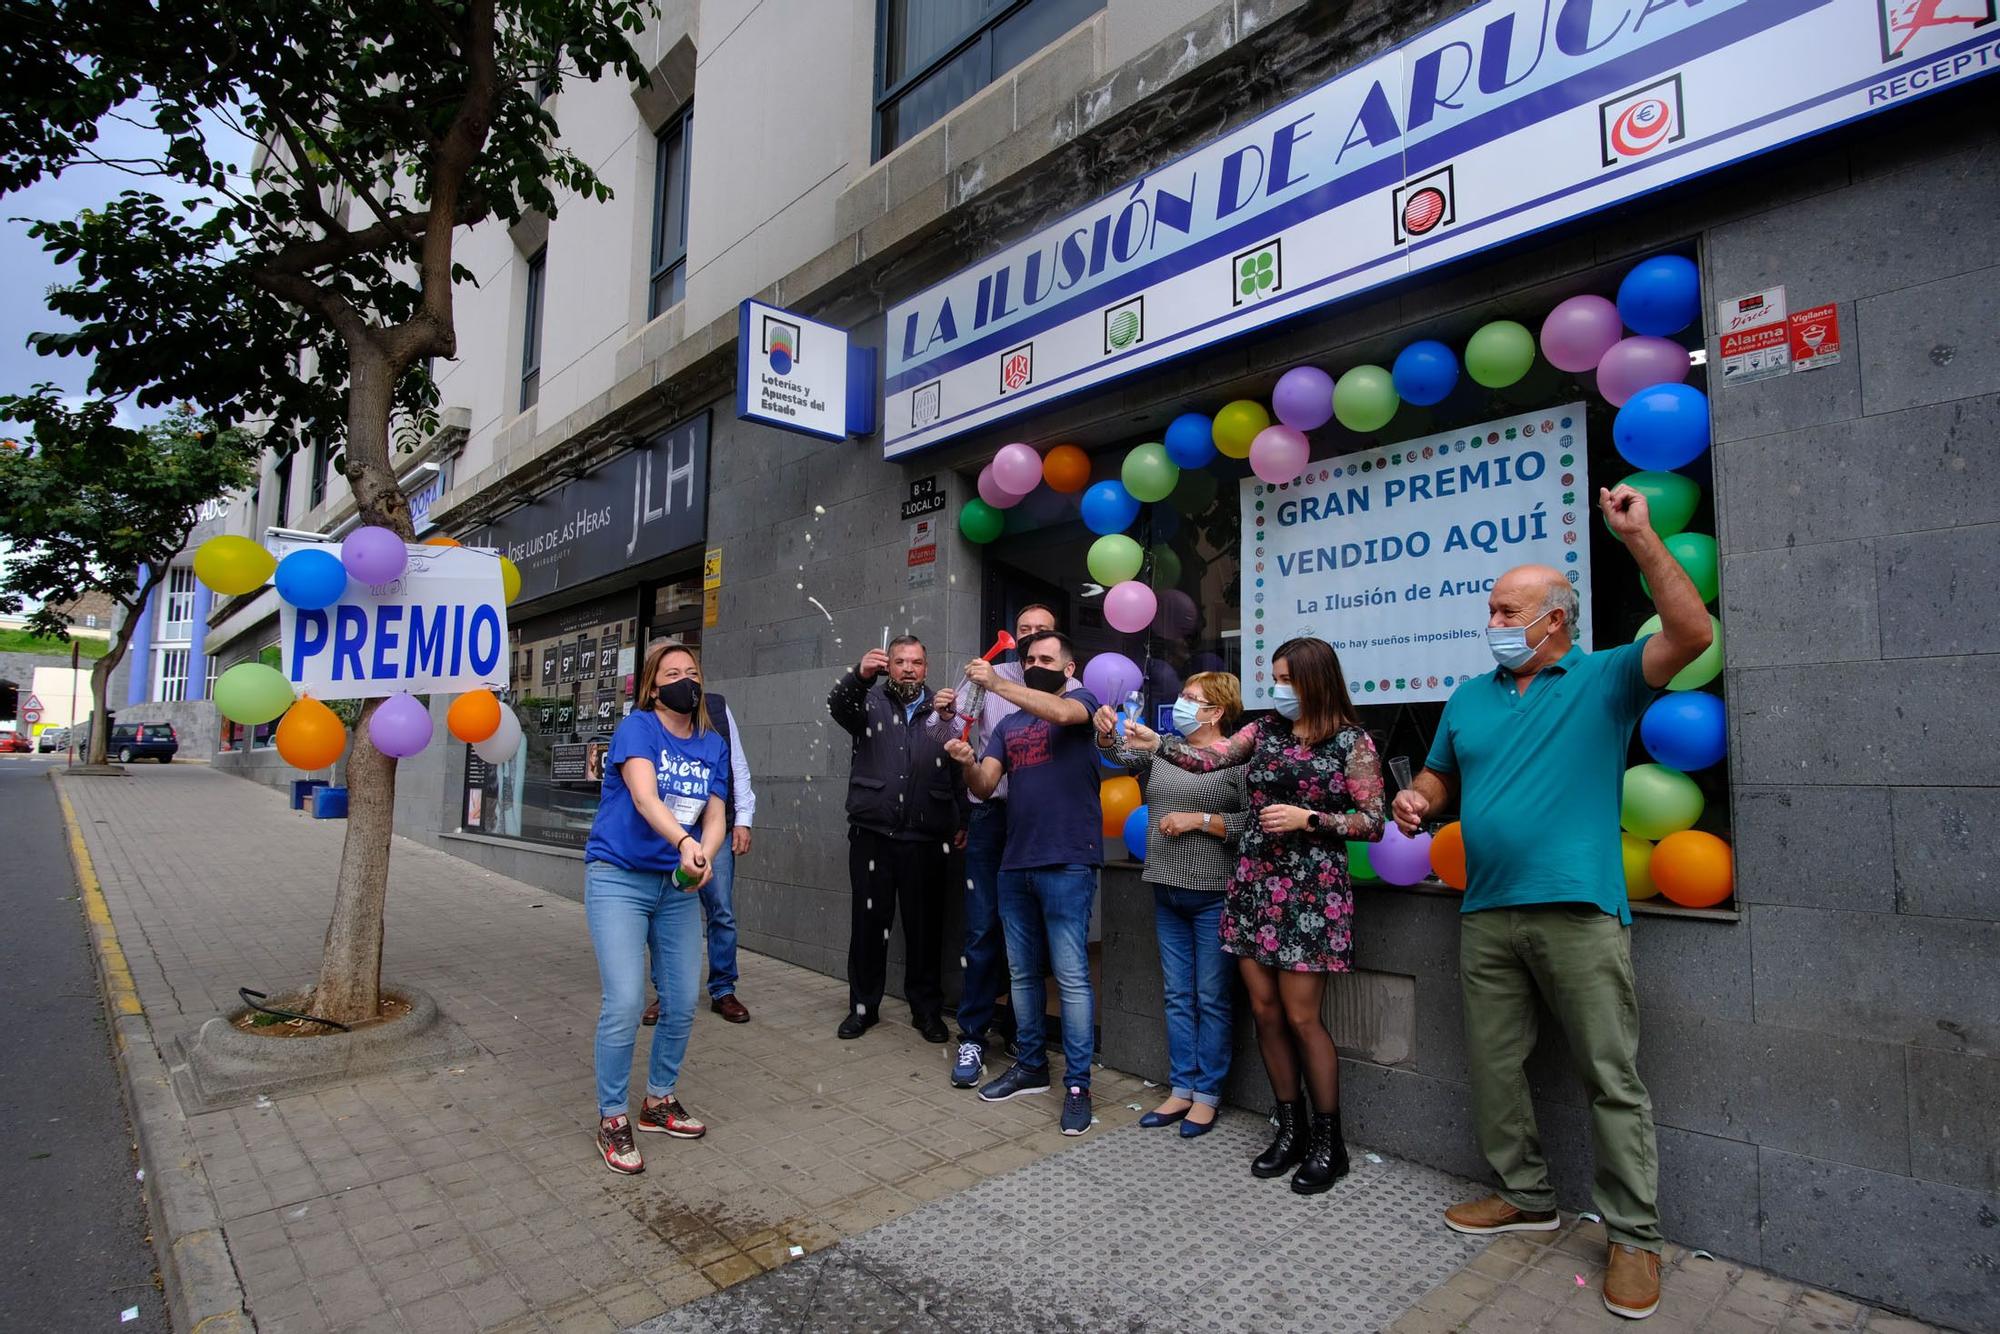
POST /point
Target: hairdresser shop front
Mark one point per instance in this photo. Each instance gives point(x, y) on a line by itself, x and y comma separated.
point(1334, 371)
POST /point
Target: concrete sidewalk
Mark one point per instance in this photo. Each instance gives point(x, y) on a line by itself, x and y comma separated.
point(472, 1197)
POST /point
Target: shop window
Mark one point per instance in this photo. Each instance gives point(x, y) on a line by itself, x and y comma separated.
point(672, 155)
point(935, 54)
point(1195, 564)
point(531, 329)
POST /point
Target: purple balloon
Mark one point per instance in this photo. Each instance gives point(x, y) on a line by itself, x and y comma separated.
point(1206, 662)
point(1162, 681)
point(1303, 399)
point(1177, 615)
point(994, 494)
point(400, 727)
point(1400, 859)
point(1130, 606)
point(1110, 677)
point(1578, 333)
point(374, 555)
point(1640, 363)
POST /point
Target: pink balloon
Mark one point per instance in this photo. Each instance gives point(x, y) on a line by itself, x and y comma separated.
point(1578, 333)
point(1640, 363)
point(1279, 453)
point(1303, 399)
point(1130, 606)
point(994, 494)
point(1017, 469)
point(1400, 859)
point(1177, 615)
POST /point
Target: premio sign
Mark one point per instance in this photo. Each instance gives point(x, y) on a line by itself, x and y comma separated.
point(1514, 116)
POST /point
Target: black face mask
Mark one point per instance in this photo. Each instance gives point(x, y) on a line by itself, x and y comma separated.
point(682, 696)
point(1045, 679)
point(906, 690)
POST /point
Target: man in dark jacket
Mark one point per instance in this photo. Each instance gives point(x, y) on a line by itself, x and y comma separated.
point(905, 804)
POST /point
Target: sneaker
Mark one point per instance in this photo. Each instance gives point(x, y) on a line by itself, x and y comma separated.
point(1076, 1110)
point(1018, 1080)
point(668, 1117)
point(1631, 1282)
point(1479, 1218)
point(614, 1141)
point(971, 1065)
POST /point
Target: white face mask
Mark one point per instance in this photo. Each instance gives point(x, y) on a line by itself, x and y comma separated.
point(1509, 643)
point(1285, 700)
point(1187, 716)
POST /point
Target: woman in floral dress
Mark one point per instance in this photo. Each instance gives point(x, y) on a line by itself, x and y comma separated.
point(1314, 783)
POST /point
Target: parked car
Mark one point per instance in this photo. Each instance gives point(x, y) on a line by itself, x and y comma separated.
point(51, 739)
point(143, 741)
point(14, 743)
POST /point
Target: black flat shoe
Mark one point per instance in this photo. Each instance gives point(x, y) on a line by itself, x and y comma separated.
point(1196, 1129)
point(1154, 1120)
point(853, 1027)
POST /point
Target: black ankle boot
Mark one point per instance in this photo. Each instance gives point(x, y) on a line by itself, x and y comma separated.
point(1290, 1144)
point(1326, 1160)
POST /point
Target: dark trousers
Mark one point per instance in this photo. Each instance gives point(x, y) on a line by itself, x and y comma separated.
point(986, 976)
point(883, 871)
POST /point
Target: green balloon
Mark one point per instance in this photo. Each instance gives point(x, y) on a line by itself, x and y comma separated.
point(1499, 353)
point(1365, 399)
point(1695, 553)
point(1149, 474)
point(1114, 558)
point(1658, 801)
point(1359, 867)
point(1195, 491)
point(980, 522)
point(252, 693)
point(1697, 673)
point(1671, 499)
point(1166, 566)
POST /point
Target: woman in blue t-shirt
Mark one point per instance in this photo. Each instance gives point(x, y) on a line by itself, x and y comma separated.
point(665, 783)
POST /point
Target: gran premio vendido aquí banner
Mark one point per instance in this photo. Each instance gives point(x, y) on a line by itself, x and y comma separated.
point(1389, 554)
point(440, 627)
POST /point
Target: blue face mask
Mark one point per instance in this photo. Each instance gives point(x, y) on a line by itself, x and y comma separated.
point(1185, 716)
point(1286, 701)
point(1510, 643)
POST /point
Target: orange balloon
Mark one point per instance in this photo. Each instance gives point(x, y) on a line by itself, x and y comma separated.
point(1694, 869)
point(1066, 468)
point(310, 735)
point(473, 716)
point(441, 541)
point(1448, 854)
point(1120, 797)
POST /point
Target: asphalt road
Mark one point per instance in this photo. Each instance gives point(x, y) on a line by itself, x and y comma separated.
point(76, 1252)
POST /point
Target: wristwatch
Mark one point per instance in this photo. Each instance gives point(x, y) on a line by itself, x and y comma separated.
point(1204, 822)
point(1313, 820)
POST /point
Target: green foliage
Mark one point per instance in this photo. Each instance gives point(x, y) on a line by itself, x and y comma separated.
point(90, 503)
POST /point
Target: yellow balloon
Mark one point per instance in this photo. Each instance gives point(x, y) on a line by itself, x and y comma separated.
point(1638, 854)
point(231, 565)
point(1237, 425)
point(510, 578)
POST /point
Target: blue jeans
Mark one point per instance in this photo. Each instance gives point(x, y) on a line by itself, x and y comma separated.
point(985, 944)
point(718, 901)
point(1197, 973)
point(632, 914)
point(1046, 913)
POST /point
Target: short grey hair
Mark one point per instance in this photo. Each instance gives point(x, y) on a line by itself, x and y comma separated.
point(1561, 595)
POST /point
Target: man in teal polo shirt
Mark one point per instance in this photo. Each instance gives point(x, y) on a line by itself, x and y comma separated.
point(1535, 754)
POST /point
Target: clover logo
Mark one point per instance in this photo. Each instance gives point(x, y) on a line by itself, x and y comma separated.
point(1257, 273)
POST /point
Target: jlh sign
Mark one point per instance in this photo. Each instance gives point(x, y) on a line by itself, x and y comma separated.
point(1514, 116)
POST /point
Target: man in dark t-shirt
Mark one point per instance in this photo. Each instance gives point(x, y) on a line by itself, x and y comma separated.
point(1048, 871)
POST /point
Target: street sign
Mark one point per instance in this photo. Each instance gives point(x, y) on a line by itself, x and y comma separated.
point(34, 702)
point(31, 714)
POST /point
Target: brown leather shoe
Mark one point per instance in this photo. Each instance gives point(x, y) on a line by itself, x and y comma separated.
point(652, 1015)
point(1631, 1282)
point(730, 1008)
point(1480, 1218)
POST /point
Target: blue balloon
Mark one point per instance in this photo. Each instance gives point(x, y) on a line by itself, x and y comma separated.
point(1109, 508)
point(1686, 730)
point(1109, 761)
point(311, 579)
point(1662, 428)
point(1190, 440)
point(1136, 825)
point(1660, 296)
point(1425, 372)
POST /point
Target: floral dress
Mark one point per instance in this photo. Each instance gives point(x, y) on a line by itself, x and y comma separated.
point(1290, 903)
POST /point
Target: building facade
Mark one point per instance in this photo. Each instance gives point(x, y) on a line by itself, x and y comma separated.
point(1823, 1046)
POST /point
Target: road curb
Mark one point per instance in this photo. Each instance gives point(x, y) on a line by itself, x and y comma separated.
point(204, 1294)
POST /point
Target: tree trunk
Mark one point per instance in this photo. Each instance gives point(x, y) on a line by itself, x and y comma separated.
point(350, 969)
point(96, 750)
